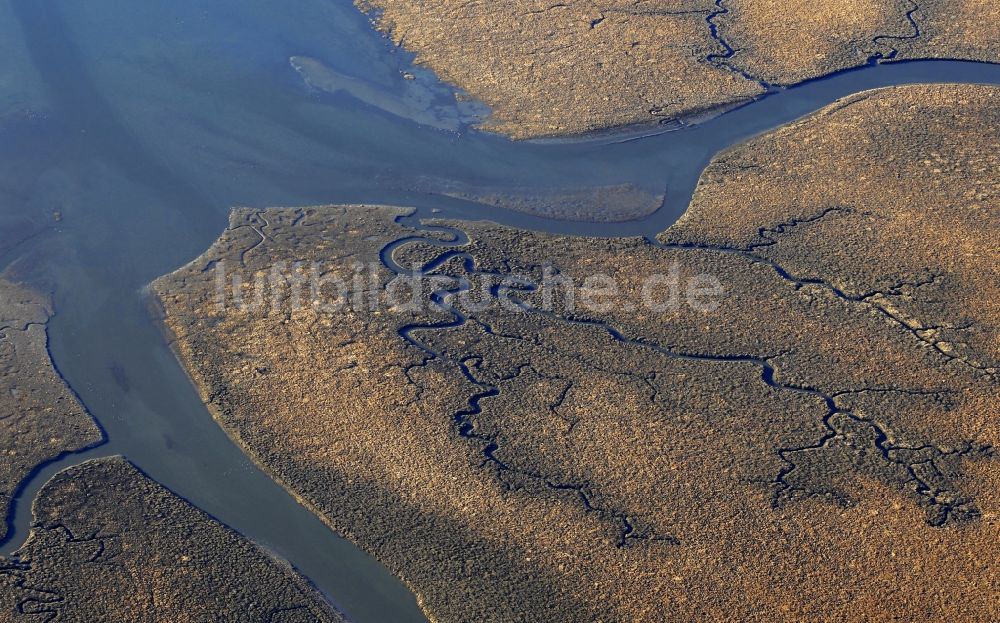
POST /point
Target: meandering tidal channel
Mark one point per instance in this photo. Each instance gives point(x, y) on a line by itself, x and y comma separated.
point(141, 124)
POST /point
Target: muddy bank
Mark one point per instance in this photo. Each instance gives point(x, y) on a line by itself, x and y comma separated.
point(414, 100)
point(600, 204)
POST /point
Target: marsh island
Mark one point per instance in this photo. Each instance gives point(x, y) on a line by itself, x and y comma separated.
point(550, 460)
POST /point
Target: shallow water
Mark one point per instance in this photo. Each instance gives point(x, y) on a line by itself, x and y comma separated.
point(140, 124)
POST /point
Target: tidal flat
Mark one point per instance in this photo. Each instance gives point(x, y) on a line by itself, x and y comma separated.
point(817, 445)
point(126, 132)
point(40, 416)
point(109, 544)
point(575, 67)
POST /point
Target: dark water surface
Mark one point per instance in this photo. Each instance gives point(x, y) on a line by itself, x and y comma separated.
point(128, 130)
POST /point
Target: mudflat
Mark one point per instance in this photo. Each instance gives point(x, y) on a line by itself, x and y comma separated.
point(40, 418)
point(551, 69)
point(798, 419)
point(109, 544)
